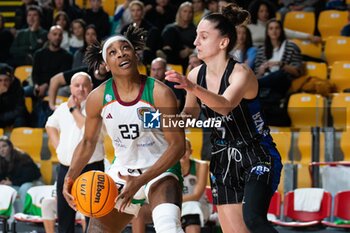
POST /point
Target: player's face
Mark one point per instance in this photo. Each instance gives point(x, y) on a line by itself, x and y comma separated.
point(121, 57)
point(208, 40)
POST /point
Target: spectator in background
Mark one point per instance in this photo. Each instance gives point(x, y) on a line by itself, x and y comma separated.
point(17, 169)
point(28, 40)
point(65, 128)
point(13, 112)
point(6, 39)
point(47, 62)
point(77, 37)
point(195, 208)
point(71, 10)
point(297, 5)
point(261, 11)
point(199, 11)
point(213, 6)
point(64, 78)
point(153, 40)
point(98, 17)
point(193, 61)
point(244, 51)
point(62, 20)
point(224, 3)
point(346, 29)
point(179, 36)
point(276, 65)
point(158, 69)
point(90, 37)
point(122, 17)
point(161, 14)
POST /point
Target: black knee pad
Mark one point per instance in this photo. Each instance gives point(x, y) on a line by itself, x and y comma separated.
point(190, 219)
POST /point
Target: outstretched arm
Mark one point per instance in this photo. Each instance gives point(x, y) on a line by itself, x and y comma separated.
point(243, 84)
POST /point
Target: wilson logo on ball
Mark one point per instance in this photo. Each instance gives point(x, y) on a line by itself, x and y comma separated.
point(100, 187)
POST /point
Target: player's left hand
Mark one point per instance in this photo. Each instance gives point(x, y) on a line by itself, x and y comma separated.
point(128, 192)
point(183, 82)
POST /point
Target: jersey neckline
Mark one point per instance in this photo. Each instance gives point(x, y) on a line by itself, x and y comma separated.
point(137, 99)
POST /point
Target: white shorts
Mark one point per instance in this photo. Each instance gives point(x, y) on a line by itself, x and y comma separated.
point(196, 207)
point(141, 195)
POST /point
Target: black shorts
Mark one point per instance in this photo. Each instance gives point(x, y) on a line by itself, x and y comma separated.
point(190, 219)
point(231, 168)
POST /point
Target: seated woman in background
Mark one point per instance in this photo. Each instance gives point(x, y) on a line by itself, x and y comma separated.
point(17, 169)
point(277, 63)
point(244, 51)
point(261, 11)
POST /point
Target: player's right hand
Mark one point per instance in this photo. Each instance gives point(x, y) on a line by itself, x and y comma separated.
point(67, 187)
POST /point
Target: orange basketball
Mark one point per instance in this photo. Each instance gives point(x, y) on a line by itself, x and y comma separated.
point(94, 193)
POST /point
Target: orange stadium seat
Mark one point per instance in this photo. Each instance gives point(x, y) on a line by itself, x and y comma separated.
point(340, 110)
point(142, 69)
point(330, 22)
point(177, 68)
point(306, 110)
point(345, 145)
point(29, 104)
point(340, 75)
point(308, 48)
point(337, 48)
point(29, 140)
point(300, 21)
point(23, 72)
point(195, 135)
point(1, 131)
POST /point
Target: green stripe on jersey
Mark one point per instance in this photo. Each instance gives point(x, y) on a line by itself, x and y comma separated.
point(147, 94)
point(109, 94)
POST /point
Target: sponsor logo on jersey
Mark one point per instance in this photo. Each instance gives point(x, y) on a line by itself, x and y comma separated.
point(260, 170)
point(109, 116)
point(142, 110)
point(108, 98)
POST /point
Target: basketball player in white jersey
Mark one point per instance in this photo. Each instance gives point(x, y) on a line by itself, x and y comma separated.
point(146, 166)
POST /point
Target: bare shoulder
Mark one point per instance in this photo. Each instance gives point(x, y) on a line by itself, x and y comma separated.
point(243, 71)
point(94, 101)
point(194, 74)
point(163, 95)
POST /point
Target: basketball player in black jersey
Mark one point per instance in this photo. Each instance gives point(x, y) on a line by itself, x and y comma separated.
point(245, 166)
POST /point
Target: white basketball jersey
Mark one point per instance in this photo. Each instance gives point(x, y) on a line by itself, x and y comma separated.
point(134, 146)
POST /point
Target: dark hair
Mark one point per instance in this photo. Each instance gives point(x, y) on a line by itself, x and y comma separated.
point(268, 44)
point(225, 22)
point(35, 8)
point(248, 43)
point(7, 141)
point(93, 55)
point(254, 9)
point(66, 17)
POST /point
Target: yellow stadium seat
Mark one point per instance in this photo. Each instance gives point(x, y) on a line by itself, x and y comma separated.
point(345, 145)
point(195, 135)
point(83, 4)
point(304, 145)
point(283, 140)
point(109, 6)
point(337, 48)
point(317, 69)
point(177, 68)
point(23, 72)
point(59, 99)
point(29, 140)
point(142, 69)
point(330, 22)
point(53, 153)
point(29, 104)
point(340, 109)
point(308, 48)
point(300, 21)
point(340, 75)
point(306, 110)
point(109, 150)
point(46, 171)
point(1, 131)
